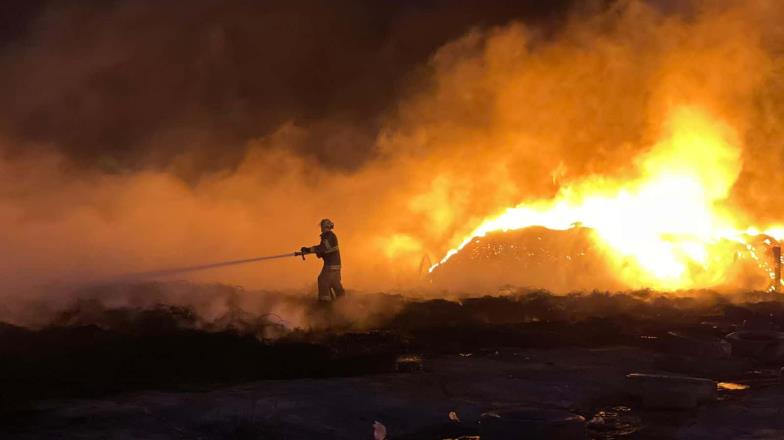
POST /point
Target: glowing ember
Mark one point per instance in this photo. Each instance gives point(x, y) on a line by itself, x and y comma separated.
point(667, 228)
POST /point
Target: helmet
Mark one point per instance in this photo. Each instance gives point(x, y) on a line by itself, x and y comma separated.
point(326, 223)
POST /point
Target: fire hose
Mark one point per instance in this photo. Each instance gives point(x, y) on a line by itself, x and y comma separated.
point(185, 269)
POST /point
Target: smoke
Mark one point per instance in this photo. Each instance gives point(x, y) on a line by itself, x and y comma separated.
point(207, 136)
point(189, 86)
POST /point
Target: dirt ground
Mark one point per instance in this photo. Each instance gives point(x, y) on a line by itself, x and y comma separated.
point(413, 405)
point(172, 382)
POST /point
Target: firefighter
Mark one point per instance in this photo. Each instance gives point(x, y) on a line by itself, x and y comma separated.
point(329, 286)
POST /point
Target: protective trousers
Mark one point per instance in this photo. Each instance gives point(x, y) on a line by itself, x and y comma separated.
point(329, 285)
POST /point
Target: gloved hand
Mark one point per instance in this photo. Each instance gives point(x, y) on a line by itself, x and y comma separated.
point(304, 250)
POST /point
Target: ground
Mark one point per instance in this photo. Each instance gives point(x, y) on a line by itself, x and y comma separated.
point(470, 366)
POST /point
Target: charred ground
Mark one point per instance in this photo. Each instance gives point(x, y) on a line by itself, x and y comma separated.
point(158, 368)
point(92, 349)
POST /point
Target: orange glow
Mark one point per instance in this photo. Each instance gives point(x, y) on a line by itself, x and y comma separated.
point(668, 228)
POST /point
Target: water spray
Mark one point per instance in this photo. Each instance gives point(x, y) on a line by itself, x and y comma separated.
point(185, 269)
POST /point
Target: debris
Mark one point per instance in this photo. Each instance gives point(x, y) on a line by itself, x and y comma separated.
point(728, 390)
point(670, 392)
point(731, 386)
point(379, 431)
point(531, 424)
point(614, 422)
point(408, 364)
point(764, 345)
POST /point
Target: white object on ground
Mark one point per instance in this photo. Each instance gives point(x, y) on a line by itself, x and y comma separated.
point(379, 431)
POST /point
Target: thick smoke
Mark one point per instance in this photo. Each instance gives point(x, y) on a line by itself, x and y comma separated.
point(139, 136)
point(189, 84)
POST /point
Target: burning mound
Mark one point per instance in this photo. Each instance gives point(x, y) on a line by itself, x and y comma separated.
point(533, 257)
point(571, 260)
point(670, 227)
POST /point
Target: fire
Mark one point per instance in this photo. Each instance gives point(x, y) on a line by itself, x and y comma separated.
point(668, 227)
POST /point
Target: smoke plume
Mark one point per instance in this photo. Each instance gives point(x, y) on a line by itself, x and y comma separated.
point(138, 136)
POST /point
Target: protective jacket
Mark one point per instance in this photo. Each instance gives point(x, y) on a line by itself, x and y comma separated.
point(328, 250)
point(329, 283)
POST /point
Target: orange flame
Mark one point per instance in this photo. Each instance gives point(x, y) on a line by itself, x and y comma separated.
point(668, 228)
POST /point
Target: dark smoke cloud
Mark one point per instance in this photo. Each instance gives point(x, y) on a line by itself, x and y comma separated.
point(184, 85)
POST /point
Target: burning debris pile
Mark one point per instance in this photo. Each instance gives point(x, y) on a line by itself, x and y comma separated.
point(571, 260)
point(536, 257)
point(667, 228)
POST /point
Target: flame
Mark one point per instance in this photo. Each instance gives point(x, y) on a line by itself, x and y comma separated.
point(666, 228)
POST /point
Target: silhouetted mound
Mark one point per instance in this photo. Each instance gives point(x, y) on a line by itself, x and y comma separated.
point(535, 256)
point(94, 349)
